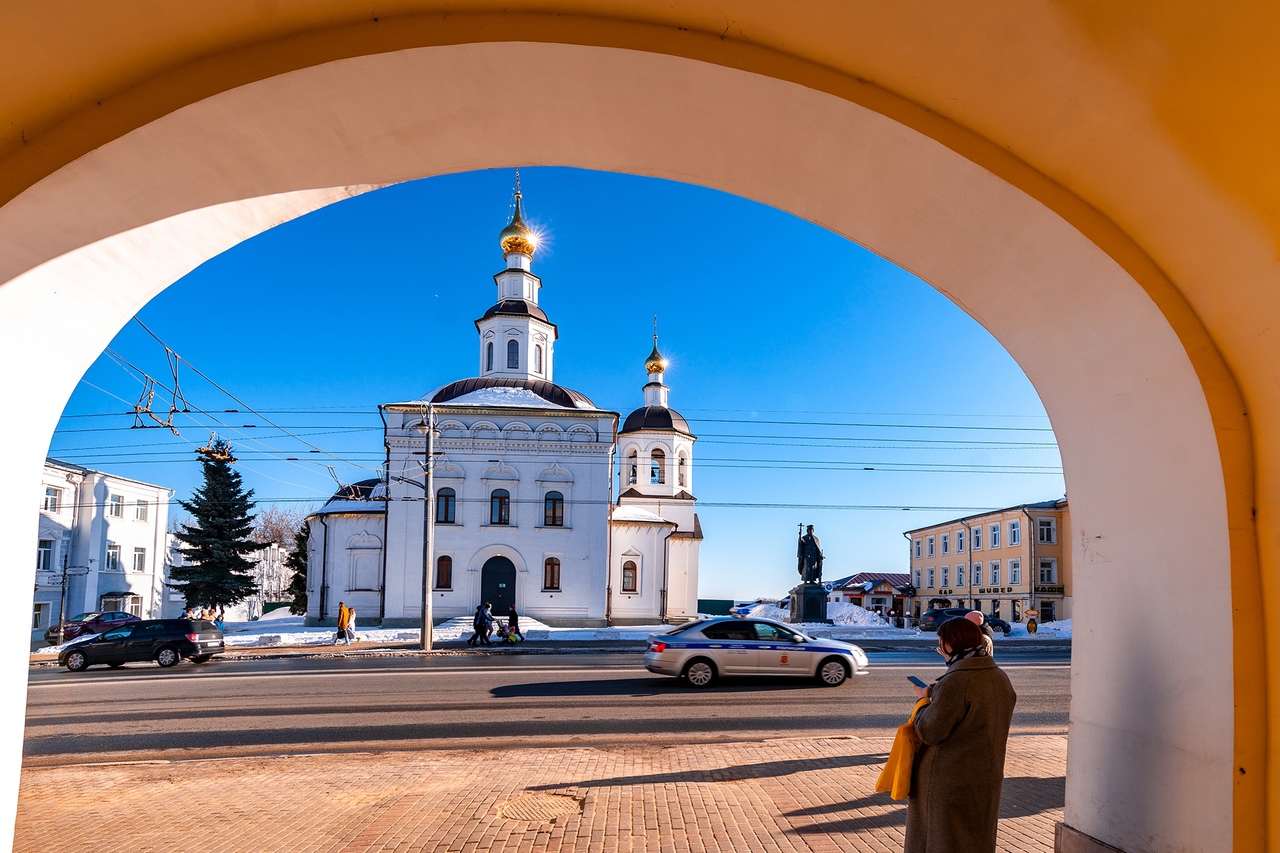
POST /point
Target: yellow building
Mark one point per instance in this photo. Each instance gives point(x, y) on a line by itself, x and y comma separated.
point(1005, 562)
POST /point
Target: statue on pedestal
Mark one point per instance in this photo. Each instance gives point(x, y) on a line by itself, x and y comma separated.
point(809, 598)
point(809, 557)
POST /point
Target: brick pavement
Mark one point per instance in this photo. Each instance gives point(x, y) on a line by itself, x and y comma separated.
point(777, 796)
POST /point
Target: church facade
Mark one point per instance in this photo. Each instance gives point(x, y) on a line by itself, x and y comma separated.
point(510, 489)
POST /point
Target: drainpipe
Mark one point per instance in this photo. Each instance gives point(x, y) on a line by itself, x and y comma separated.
point(608, 566)
point(324, 569)
point(386, 512)
point(159, 558)
point(666, 573)
point(911, 576)
point(1033, 571)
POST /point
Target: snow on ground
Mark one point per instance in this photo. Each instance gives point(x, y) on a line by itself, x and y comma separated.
point(282, 628)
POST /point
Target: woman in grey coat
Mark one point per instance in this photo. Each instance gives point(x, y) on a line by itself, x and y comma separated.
point(955, 784)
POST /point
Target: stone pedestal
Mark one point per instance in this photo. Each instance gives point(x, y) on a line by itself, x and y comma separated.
point(809, 604)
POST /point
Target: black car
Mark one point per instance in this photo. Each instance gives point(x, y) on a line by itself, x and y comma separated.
point(931, 619)
point(165, 641)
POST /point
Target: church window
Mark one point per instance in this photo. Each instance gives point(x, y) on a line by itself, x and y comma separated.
point(513, 354)
point(658, 472)
point(446, 506)
point(444, 573)
point(553, 510)
point(629, 579)
point(551, 574)
point(631, 461)
point(680, 471)
point(537, 359)
point(500, 507)
point(488, 359)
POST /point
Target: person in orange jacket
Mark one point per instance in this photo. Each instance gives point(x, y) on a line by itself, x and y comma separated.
point(344, 619)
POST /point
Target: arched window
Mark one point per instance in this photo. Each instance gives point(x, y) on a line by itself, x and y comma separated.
point(537, 359)
point(444, 573)
point(488, 358)
point(631, 462)
point(551, 574)
point(513, 354)
point(446, 505)
point(680, 463)
point(629, 576)
point(553, 510)
point(658, 472)
point(500, 507)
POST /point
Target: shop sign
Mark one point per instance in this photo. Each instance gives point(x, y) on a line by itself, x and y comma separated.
point(996, 589)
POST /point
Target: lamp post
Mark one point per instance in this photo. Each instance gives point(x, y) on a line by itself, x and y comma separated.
point(428, 430)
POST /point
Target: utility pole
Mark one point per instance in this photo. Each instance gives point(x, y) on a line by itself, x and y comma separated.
point(62, 599)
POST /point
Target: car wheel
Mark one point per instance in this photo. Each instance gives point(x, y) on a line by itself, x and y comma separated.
point(699, 672)
point(76, 661)
point(832, 672)
point(168, 656)
point(200, 658)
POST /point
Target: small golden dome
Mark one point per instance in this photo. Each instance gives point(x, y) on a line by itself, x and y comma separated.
point(517, 237)
point(655, 363)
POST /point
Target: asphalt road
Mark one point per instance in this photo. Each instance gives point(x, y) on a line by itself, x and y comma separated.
point(336, 704)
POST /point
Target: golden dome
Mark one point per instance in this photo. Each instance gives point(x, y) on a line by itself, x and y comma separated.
point(655, 363)
point(517, 237)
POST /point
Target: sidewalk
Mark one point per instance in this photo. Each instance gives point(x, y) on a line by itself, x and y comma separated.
point(783, 795)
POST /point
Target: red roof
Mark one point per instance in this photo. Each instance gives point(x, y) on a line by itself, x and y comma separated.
point(895, 578)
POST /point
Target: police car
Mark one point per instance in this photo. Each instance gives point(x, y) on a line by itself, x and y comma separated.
point(701, 651)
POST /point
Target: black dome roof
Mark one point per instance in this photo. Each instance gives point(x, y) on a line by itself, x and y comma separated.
point(552, 393)
point(517, 307)
point(656, 418)
point(361, 490)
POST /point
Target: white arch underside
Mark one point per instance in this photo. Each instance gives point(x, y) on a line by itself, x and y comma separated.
point(1150, 756)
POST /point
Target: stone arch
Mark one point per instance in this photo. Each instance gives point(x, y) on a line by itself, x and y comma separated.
point(1128, 376)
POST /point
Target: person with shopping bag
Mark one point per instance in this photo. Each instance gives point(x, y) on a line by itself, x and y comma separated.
point(955, 746)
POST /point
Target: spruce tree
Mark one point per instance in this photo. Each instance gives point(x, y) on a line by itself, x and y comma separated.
point(297, 561)
point(218, 538)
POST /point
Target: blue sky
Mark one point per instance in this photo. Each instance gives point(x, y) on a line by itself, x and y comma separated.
point(799, 358)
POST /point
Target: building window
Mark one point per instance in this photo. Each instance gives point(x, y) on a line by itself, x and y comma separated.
point(553, 510)
point(52, 499)
point(444, 573)
point(44, 556)
point(918, 547)
point(946, 576)
point(139, 559)
point(960, 571)
point(946, 545)
point(995, 573)
point(977, 574)
point(1048, 571)
point(629, 579)
point(917, 583)
point(1015, 571)
point(1015, 533)
point(113, 557)
point(40, 616)
point(115, 506)
point(977, 538)
point(139, 510)
point(658, 467)
point(930, 584)
point(680, 463)
point(929, 549)
point(632, 460)
point(488, 356)
point(1048, 528)
point(500, 507)
point(995, 536)
point(513, 354)
point(446, 506)
point(551, 574)
point(959, 541)
point(537, 358)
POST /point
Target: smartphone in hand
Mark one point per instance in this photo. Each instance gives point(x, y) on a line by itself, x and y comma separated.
point(917, 682)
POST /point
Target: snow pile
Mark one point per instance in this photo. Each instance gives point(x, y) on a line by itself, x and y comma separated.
point(1060, 630)
point(841, 613)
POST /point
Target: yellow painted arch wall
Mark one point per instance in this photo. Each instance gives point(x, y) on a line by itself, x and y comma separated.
point(1150, 128)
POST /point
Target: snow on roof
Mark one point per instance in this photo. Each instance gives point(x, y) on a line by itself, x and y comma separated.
point(517, 397)
point(635, 513)
point(335, 507)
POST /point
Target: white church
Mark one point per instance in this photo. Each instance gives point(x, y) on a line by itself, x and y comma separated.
point(538, 498)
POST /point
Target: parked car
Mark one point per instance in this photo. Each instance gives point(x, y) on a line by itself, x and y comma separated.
point(83, 624)
point(931, 619)
point(165, 641)
point(701, 651)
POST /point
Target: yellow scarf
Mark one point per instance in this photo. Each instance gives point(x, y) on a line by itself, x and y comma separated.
point(896, 775)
